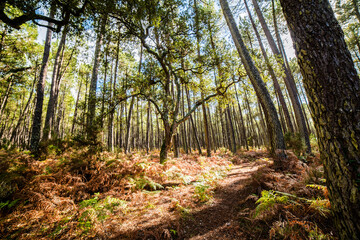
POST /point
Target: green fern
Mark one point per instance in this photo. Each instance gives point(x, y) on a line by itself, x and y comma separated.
point(268, 200)
point(321, 206)
point(143, 182)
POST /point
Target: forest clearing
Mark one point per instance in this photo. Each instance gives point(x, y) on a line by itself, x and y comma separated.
point(179, 119)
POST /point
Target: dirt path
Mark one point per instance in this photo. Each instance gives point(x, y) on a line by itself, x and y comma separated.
point(217, 219)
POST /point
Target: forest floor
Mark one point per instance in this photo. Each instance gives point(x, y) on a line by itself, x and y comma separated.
point(78, 193)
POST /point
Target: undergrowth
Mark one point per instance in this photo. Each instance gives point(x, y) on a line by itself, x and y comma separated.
point(74, 191)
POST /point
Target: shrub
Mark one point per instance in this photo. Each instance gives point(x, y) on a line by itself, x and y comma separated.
point(99, 210)
point(203, 193)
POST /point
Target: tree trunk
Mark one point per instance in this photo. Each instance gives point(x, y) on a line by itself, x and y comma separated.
point(51, 104)
point(148, 127)
point(198, 38)
point(36, 126)
point(91, 128)
point(128, 125)
point(6, 97)
point(288, 79)
point(272, 73)
point(274, 126)
point(232, 132)
point(24, 112)
point(332, 85)
point(192, 122)
point(176, 146)
point(243, 129)
point(76, 108)
point(165, 147)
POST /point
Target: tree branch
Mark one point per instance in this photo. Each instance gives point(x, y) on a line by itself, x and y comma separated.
point(198, 103)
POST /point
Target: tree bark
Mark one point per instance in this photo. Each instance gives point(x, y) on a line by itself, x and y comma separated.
point(192, 122)
point(128, 125)
point(332, 85)
point(147, 144)
point(232, 131)
point(76, 107)
point(288, 79)
point(51, 104)
point(112, 107)
point(274, 126)
point(91, 128)
point(272, 73)
point(36, 126)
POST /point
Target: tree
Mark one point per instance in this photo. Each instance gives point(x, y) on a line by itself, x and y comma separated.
point(36, 127)
point(332, 85)
point(91, 125)
point(55, 85)
point(27, 11)
point(274, 126)
point(288, 79)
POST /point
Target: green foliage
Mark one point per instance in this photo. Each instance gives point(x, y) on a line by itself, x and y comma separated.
point(295, 142)
point(144, 182)
point(8, 204)
point(314, 142)
point(203, 193)
point(99, 210)
point(53, 150)
point(184, 211)
point(268, 200)
point(321, 206)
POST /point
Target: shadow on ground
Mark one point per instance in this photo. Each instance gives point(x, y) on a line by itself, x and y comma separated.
point(223, 218)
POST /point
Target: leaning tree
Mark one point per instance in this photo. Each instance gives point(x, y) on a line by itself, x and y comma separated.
point(332, 85)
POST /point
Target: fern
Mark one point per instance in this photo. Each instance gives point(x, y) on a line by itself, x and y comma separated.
point(321, 206)
point(143, 182)
point(268, 200)
point(203, 192)
point(8, 204)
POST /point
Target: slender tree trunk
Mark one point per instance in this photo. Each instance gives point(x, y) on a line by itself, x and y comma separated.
point(192, 123)
point(272, 73)
point(198, 38)
point(76, 107)
point(36, 126)
point(332, 85)
point(274, 126)
point(51, 104)
point(91, 128)
point(242, 121)
point(288, 79)
point(128, 125)
point(232, 132)
point(185, 132)
point(148, 127)
point(112, 107)
point(6, 97)
point(24, 112)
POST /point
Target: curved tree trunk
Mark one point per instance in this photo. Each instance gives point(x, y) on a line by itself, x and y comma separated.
point(272, 73)
point(288, 79)
point(274, 126)
point(332, 85)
